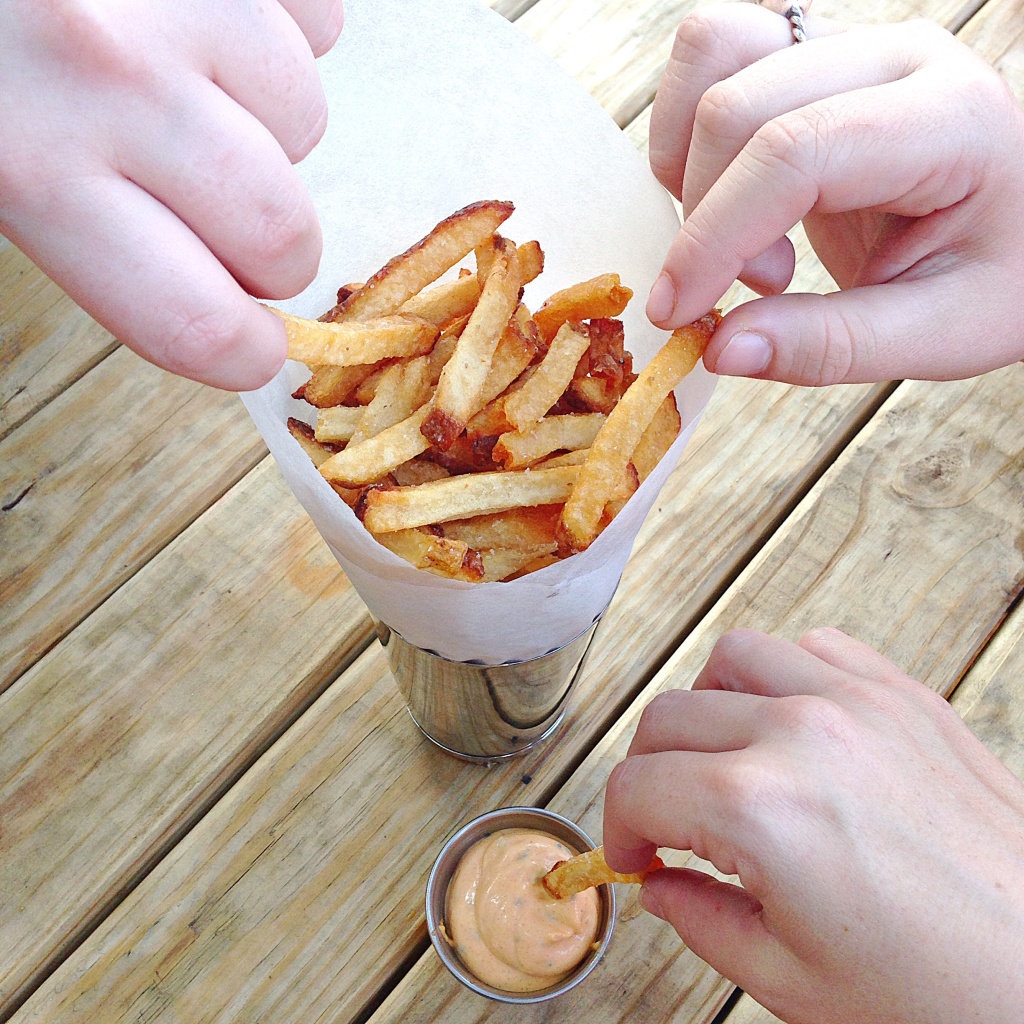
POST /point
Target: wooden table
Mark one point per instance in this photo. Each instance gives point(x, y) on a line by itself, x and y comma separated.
point(213, 805)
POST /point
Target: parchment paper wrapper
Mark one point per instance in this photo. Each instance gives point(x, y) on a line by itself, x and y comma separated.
point(434, 106)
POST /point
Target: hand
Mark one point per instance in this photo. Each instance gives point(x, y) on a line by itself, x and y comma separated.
point(897, 147)
point(879, 845)
point(146, 154)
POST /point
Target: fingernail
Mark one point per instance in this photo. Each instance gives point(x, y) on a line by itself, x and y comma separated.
point(650, 902)
point(662, 300)
point(745, 354)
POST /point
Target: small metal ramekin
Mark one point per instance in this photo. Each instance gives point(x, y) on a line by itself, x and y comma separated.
point(441, 874)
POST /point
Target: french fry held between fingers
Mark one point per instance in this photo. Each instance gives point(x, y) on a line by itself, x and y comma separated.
point(459, 497)
point(584, 871)
point(316, 343)
point(621, 432)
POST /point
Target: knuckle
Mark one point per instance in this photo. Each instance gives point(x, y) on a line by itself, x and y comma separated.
point(814, 718)
point(663, 707)
point(699, 37)
point(725, 110)
point(201, 339)
point(311, 132)
point(732, 647)
point(286, 236)
point(750, 789)
point(329, 29)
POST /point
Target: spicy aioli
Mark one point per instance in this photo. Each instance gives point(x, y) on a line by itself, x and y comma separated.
point(506, 927)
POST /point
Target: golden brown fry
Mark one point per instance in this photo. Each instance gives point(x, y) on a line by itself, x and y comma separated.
point(531, 261)
point(375, 457)
point(347, 344)
point(338, 423)
point(520, 448)
point(603, 296)
point(551, 377)
point(440, 555)
point(460, 389)
point(657, 438)
point(332, 385)
point(445, 303)
point(316, 450)
point(402, 389)
point(423, 263)
point(461, 496)
point(501, 563)
point(586, 870)
point(617, 440)
point(540, 562)
point(576, 458)
point(418, 471)
point(522, 529)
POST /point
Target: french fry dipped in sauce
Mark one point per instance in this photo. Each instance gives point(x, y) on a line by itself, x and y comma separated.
point(586, 870)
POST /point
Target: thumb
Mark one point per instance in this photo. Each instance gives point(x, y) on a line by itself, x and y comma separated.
point(721, 923)
point(936, 328)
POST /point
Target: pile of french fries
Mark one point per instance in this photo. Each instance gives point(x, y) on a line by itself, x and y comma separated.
point(474, 439)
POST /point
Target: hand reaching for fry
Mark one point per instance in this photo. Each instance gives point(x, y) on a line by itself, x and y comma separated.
point(879, 845)
point(146, 167)
point(899, 150)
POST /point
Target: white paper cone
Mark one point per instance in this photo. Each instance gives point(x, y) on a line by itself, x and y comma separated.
point(431, 111)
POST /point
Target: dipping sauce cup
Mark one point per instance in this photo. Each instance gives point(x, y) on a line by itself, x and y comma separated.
point(536, 820)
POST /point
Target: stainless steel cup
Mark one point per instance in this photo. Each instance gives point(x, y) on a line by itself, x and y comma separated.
point(485, 713)
point(441, 874)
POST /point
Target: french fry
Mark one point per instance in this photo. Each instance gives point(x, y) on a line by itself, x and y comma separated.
point(316, 343)
point(576, 458)
point(519, 448)
point(621, 432)
point(551, 378)
point(461, 496)
point(423, 263)
point(540, 562)
point(332, 385)
point(338, 423)
point(603, 296)
point(461, 385)
point(402, 389)
point(436, 554)
point(445, 303)
point(522, 529)
point(585, 870)
point(657, 438)
point(418, 471)
point(364, 463)
point(316, 450)
point(500, 563)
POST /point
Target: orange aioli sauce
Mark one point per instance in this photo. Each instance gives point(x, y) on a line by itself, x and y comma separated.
point(505, 926)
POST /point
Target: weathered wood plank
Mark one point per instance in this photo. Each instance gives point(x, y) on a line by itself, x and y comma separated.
point(854, 533)
point(99, 481)
point(300, 892)
point(920, 517)
point(46, 341)
point(114, 743)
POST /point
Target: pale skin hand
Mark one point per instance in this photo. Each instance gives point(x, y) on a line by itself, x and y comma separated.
point(146, 151)
point(879, 845)
point(900, 151)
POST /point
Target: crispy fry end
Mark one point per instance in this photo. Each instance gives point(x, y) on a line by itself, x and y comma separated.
point(586, 870)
